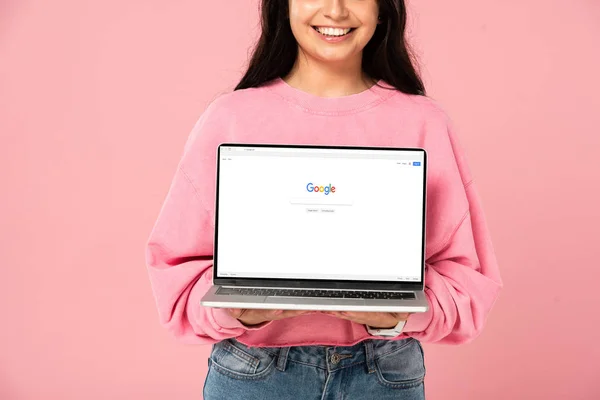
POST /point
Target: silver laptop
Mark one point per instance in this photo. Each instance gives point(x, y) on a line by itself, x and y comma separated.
point(319, 228)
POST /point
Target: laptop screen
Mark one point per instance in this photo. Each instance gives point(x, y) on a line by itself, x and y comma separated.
point(320, 213)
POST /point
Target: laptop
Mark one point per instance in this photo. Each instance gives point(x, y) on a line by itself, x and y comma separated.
point(319, 228)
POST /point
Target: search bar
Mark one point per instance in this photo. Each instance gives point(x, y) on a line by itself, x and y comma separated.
point(320, 202)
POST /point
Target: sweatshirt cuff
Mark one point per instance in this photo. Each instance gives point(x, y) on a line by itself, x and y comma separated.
point(226, 321)
point(418, 322)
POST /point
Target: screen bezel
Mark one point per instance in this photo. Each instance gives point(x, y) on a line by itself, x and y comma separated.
point(319, 283)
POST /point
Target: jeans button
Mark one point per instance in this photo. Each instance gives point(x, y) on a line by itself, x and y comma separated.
point(335, 358)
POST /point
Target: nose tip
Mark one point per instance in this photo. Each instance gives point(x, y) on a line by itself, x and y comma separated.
point(336, 9)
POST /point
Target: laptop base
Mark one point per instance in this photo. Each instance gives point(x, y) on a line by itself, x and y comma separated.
point(416, 305)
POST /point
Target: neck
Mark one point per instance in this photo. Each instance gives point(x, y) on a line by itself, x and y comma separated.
point(327, 79)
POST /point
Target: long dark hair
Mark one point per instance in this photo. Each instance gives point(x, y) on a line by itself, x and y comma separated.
point(386, 57)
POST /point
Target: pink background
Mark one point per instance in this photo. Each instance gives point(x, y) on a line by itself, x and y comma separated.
point(97, 99)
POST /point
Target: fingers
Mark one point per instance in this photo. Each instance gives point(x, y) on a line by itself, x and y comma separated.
point(257, 316)
point(235, 312)
point(273, 315)
point(338, 314)
point(292, 313)
point(282, 314)
point(347, 315)
point(357, 317)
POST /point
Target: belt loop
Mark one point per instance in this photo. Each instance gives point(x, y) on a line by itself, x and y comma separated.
point(282, 358)
point(370, 355)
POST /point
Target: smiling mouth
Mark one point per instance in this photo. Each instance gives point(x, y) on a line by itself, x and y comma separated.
point(333, 32)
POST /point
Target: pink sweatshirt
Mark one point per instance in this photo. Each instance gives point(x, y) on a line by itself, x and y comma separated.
point(462, 278)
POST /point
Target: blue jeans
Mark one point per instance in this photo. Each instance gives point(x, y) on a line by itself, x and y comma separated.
point(373, 369)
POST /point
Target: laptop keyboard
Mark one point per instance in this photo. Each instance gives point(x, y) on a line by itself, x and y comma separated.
point(338, 294)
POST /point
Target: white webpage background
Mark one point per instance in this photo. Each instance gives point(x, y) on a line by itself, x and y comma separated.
point(373, 233)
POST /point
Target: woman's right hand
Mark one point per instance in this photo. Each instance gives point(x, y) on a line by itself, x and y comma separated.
point(251, 317)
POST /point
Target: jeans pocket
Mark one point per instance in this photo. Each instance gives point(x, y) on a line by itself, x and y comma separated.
point(401, 366)
point(239, 361)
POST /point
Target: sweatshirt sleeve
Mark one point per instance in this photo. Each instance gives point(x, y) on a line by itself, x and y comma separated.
point(462, 279)
point(180, 248)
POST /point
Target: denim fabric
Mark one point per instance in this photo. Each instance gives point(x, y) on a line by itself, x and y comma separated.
point(374, 369)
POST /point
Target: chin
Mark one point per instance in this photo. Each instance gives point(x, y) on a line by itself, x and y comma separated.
point(335, 58)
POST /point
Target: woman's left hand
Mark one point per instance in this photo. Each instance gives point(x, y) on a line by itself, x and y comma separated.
point(377, 320)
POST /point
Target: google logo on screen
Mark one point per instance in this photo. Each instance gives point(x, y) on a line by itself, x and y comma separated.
point(320, 189)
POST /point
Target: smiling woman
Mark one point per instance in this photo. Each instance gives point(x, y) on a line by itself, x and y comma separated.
point(356, 36)
point(332, 72)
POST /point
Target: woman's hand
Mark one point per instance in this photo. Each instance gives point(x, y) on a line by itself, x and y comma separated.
point(377, 320)
point(250, 317)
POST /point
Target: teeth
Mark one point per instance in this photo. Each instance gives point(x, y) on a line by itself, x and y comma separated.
point(333, 31)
